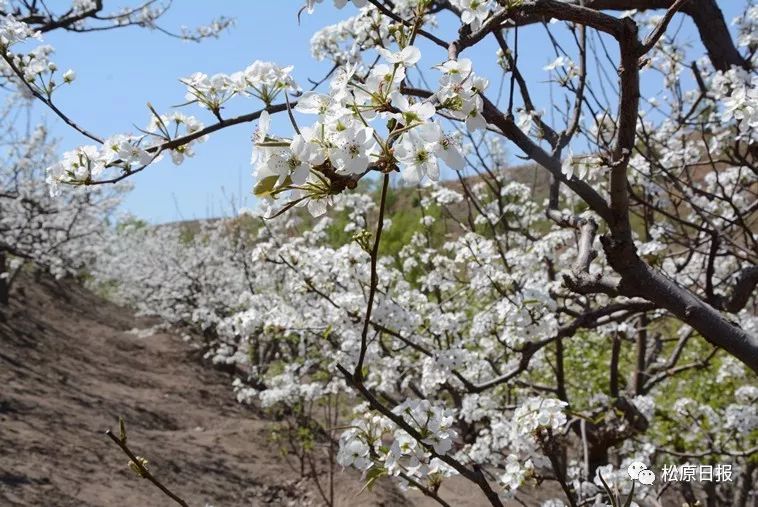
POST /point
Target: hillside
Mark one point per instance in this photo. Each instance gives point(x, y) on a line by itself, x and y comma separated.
point(70, 365)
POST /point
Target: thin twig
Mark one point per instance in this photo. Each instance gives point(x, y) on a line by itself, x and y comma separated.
point(47, 101)
point(143, 472)
point(659, 30)
point(374, 280)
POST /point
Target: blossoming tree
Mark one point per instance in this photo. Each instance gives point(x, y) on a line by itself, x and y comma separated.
point(57, 234)
point(467, 346)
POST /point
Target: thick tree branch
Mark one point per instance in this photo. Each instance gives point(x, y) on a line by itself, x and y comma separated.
point(639, 279)
point(708, 18)
point(743, 289)
point(629, 85)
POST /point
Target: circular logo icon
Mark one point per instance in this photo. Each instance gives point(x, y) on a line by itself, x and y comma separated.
point(646, 477)
point(635, 469)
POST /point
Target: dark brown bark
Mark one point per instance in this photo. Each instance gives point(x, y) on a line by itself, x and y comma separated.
point(744, 485)
point(639, 279)
point(622, 422)
point(708, 18)
point(4, 279)
point(706, 14)
point(744, 287)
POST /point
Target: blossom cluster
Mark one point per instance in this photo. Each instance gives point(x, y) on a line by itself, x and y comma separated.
point(375, 442)
point(346, 41)
point(128, 153)
point(343, 144)
point(280, 308)
point(34, 70)
point(263, 80)
point(61, 235)
point(13, 31)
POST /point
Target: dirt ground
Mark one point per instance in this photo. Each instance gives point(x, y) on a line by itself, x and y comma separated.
point(69, 367)
point(71, 363)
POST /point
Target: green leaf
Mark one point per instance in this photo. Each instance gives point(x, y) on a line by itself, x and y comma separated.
point(265, 186)
point(158, 118)
point(608, 490)
point(373, 475)
point(121, 430)
point(630, 497)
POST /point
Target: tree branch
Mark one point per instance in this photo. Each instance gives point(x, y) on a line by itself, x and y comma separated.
point(660, 29)
point(142, 471)
point(743, 289)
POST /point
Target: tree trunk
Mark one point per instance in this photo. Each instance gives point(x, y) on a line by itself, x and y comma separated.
point(4, 279)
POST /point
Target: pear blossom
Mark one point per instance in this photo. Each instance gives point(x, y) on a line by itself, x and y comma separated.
point(352, 149)
point(536, 413)
point(13, 31)
point(407, 57)
point(354, 453)
point(418, 160)
point(410, 113)
point(313, 103)
point(474, 12)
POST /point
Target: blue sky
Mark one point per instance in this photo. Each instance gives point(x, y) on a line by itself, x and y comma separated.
point(119, 71)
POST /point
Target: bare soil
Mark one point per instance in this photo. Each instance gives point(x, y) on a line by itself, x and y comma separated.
point(69, 366)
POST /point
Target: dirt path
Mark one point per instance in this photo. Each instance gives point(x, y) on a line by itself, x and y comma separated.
point(69, 367)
